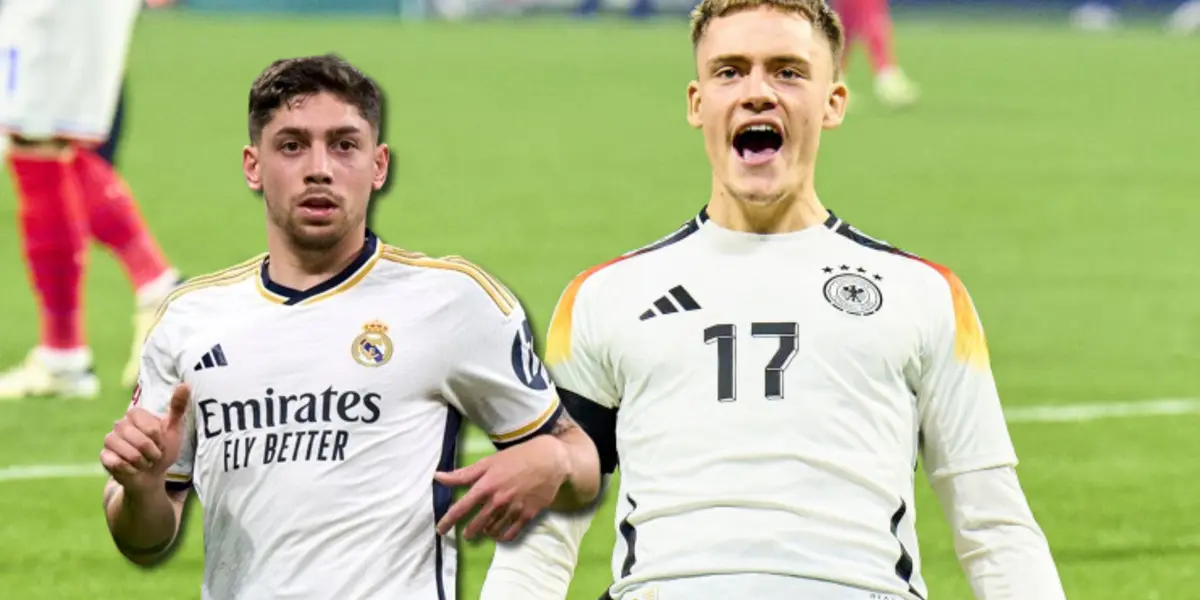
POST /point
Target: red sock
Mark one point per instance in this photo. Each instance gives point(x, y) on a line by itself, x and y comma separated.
point(54, 237)
point(877, 27)
point(114, 220)
point(848, 12)
point(872, 20)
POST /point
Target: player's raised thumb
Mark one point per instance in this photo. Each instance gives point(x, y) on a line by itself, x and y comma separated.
point(178, 407)
point(464, 476)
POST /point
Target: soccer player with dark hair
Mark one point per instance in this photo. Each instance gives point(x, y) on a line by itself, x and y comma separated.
point(312, 396)
point(767, 377)
point(64, 64)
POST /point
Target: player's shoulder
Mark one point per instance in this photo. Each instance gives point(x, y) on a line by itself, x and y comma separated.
point(204, 294)
point(452, 279)
point(925, 276)
point(637, 266)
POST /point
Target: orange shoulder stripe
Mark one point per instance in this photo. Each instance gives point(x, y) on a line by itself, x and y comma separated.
point(558, 339)
point(970, 343)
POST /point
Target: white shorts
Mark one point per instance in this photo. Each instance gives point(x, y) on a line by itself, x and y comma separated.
point(749, 586)
point(61, 65)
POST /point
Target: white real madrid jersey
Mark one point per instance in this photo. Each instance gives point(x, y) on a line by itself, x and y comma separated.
point(767, 397)
point(318, 418)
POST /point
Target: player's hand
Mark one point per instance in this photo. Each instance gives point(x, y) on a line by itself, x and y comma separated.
point(512, 487)
point(142, 446)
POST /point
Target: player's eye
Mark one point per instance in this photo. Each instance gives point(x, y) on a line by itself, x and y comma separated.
point(345, 145)
point(790, 73)
point(725, 73)
point(289, 146)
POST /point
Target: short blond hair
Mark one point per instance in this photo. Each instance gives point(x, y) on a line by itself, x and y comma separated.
point(817, 11)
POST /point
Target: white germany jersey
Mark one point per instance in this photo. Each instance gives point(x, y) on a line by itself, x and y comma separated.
point(318, 418)
point(767, 398)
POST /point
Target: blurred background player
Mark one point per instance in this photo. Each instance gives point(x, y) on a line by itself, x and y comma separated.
point(870, 21)
point(62, 82)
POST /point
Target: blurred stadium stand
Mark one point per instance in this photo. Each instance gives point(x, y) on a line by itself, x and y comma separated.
point(421, 7)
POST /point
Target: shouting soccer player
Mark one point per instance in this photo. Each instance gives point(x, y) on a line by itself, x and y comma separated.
point(63, 63)
point(312, 396)
point(767, 376)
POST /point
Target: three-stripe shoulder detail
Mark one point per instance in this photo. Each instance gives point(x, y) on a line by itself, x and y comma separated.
point(500, 295)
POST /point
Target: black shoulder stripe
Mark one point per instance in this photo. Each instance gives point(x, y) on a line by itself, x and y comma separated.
point(684, 231)
point(850, 232)
point(598, 422)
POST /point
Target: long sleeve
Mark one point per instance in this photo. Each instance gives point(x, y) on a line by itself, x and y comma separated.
point(999, 544)
point(540, 564)
point(971, 461)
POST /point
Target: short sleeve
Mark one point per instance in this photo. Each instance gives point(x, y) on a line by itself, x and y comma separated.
point(499, 383)
point(573, 353)
point(158, 376)
point(962, 421)
point(577, 363)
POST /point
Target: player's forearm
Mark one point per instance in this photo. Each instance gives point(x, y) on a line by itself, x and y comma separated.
point(541, 563)
point(143, 525)
point(583, 476)
point(1001, 548)
point(1011, 562)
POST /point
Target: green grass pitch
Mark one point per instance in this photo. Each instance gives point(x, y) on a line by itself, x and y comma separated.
point(1056, 172)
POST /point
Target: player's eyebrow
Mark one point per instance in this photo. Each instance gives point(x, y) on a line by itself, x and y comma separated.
point(740, 59)
point(295, 132)
point(791, 59)
point(726, 59)
point(343, 131)
point(307, 134)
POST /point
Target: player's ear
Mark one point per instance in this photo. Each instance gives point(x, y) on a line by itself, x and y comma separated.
point(835, 108)
point(382, 158)
point(250, 168)
point(693, 96)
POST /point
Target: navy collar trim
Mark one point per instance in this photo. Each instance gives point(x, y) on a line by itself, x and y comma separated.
point(289, 296)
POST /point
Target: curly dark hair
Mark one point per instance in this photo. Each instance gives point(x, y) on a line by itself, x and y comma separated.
point(288, 79)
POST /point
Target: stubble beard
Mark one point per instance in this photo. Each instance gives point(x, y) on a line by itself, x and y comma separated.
point(307, 239)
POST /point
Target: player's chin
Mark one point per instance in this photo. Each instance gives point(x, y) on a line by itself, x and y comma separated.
point(759, 188)
point(318, 234)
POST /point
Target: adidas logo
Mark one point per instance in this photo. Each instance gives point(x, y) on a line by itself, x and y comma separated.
point(664, 305)
point(212, 358)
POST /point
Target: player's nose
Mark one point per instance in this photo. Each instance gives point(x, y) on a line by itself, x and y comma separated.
point(319, 170)
point(757, 93)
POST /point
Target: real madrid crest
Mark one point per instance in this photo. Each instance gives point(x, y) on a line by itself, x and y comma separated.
point(854, 290)
point(372, 347)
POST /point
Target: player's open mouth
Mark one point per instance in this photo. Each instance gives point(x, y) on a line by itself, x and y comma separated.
point(318, 206)
point(757, 143)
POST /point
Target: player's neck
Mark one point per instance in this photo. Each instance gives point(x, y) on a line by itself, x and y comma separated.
point(302, 269)
point(786, 215)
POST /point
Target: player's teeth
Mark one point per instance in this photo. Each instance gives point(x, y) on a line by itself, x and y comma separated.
point(761, 128)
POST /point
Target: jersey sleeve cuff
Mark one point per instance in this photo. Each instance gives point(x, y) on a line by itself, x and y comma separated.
point(970, 464)
point(178, 483)
point(542, 425)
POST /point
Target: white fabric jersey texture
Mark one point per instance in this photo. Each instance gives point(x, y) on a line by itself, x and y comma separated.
point(318, 418)
point(767, 399)
point(61, 65)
